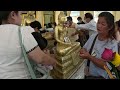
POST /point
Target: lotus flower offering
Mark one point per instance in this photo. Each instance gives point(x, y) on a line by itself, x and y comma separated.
point(110, 56)
point(113, 58)
point(107, 54)
point(116, 60)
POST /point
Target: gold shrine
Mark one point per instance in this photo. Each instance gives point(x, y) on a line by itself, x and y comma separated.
point(66, 52)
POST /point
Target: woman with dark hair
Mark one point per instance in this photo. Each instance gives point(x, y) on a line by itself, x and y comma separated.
point(105, 38)
point(36, 25)
point(117, 28)
point(12, 64)
point(42, 42)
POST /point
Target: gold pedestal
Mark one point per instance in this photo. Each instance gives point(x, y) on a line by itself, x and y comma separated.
point(66, 65)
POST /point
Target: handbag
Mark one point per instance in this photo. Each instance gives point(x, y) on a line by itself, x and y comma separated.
point(37, 71)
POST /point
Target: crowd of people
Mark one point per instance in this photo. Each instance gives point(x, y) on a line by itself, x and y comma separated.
point(105, 33)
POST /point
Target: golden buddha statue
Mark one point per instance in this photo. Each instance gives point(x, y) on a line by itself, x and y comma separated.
point(48, 35)
point(64, 46)
point(66, 52)
point(30, 17)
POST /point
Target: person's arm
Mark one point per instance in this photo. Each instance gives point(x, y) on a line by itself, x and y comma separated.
point(98, 62)
point(88, 26)
point(85, 54)
point(40, 57)
point(32, 49)
point(83, 26)
point(40, 40)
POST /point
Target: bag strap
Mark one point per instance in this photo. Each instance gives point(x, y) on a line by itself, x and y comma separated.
point(88, 62)
point(25, 56)
point(118, 47)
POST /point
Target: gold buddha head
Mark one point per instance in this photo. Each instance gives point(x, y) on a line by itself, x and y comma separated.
point(30, 17)
point(61, 18)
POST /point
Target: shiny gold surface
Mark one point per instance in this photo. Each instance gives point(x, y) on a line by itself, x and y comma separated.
point(48, 35)
point(56, 74)
point(31, 17)
point(64, 46)
point(66, 52)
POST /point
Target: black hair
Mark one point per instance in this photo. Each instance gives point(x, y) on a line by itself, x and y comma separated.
point(69, 18)
point(79, 18)
point(89, 15)
point(49, 25)
point(4, 14)
point(110, 21)
point(45, 24)
point(54, 23)
point(118, 23)
point(36, 24)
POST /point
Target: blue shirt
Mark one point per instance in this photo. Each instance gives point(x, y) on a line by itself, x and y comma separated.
point(98, 48)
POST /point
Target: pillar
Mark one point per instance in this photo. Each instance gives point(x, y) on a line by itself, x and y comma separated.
point(56, 16)
point(40, 17)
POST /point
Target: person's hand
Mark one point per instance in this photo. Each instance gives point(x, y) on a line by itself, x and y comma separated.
point(53, 55)
point(53, 65)
point(54, 62)
point(73, 34)
point(73, 26)
point(84, 54)
point(46, 51)
point(82, 50)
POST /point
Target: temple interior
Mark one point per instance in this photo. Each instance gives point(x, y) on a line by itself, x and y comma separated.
point(69, 64)
point(45, 17)
point(61, 44)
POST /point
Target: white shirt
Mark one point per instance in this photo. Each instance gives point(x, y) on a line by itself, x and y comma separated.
point(98, 48)
point(12, 65)
point(50, 29)
point(91, 26)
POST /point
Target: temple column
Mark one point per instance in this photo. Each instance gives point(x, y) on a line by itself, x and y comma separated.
point(117, 15)
point(40, 17)
point(68, 13)
point(82, 14)
point(56, 16)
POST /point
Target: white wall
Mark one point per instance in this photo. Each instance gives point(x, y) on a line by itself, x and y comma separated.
point(117, 15)
point(56, 16)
